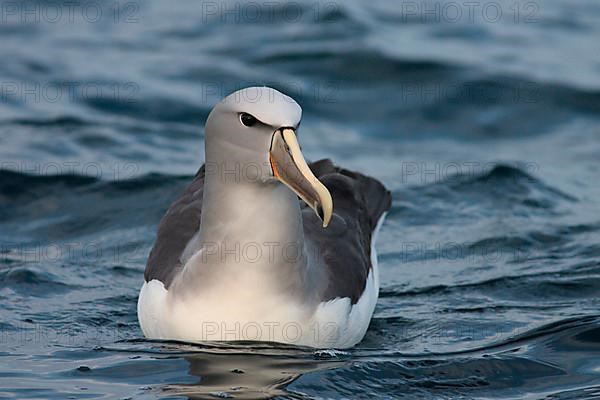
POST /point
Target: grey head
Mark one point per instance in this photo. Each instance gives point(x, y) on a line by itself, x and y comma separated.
point(253, 131)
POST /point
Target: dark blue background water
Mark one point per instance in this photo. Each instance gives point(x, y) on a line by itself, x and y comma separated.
point(484, 124)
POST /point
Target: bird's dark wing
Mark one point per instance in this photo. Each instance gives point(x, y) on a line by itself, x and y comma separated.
point(176, 228)
point(343, 249)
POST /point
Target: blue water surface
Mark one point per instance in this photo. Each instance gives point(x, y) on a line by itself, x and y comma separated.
point(482, 119)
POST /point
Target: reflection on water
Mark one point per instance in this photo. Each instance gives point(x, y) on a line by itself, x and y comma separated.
point(249, 370)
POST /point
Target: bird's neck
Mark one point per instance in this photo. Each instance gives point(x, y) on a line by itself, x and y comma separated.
point(242, 210)
point(251, 224)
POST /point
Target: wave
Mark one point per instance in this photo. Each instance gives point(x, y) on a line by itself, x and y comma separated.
point(496, 187)
point(14, 184)
point(60, 121)
point(56, 208)
point(30, 282)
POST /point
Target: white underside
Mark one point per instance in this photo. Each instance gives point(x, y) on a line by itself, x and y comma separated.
point(245, 311)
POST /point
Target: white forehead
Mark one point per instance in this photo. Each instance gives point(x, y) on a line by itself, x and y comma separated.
point(267, 104)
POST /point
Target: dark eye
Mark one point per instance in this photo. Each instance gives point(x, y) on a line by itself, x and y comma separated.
point(247, 119)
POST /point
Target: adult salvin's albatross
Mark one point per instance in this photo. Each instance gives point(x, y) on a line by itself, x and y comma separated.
point(239, 257)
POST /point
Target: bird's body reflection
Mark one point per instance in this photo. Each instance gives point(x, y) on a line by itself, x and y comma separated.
point(250, 372)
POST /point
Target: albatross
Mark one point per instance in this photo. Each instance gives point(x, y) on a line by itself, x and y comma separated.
point(263, 246)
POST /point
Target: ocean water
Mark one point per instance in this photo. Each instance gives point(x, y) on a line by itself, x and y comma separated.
point(482, 119)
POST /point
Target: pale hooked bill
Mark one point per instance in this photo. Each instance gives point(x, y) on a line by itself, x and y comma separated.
point(263, 246)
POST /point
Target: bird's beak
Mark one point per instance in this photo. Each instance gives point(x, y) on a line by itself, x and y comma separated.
point(289, 167)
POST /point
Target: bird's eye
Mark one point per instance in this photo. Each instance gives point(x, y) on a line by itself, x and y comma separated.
point(247, 119)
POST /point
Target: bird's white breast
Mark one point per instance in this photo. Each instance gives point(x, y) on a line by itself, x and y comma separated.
point(243, 309)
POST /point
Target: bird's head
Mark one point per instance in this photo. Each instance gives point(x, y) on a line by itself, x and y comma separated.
point(251, 136)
